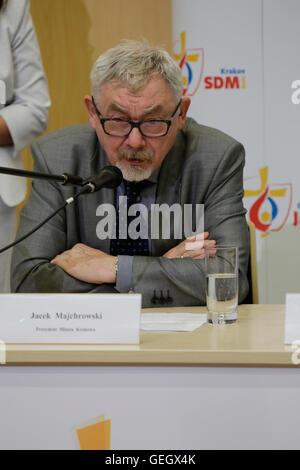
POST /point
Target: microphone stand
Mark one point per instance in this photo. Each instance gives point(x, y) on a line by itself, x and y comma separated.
point(85, 189)
point(110, 177)
point(64, 179)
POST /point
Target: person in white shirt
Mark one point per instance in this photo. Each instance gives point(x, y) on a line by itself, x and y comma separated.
point(24, 103)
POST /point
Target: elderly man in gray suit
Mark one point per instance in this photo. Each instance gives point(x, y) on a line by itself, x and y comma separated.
point(138, 123)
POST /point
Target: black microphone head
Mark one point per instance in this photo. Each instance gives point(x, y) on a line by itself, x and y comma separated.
point(109, 177)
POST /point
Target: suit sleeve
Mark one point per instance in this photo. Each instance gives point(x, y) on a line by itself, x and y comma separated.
point(31, 267)
point(224, 217)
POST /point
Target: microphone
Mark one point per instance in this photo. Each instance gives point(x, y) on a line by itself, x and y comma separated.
point(109, 177)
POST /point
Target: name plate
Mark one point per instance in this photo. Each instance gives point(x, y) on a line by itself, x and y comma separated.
point(70, 318)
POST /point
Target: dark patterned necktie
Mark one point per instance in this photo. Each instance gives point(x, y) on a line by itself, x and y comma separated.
point(129, 246)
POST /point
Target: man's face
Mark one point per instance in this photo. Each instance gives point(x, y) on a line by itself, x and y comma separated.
point(137, 156)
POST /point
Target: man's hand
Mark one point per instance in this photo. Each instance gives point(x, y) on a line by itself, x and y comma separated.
point(87, 264)
point(185, 248)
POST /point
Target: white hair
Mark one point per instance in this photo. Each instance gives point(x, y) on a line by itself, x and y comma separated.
point(133, 63)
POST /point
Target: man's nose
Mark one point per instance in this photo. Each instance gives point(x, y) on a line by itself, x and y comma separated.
point(136, 139)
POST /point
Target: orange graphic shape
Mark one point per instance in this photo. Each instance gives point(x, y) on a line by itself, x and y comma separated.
point(263, 173)
point(95, 437)
point(183, 56)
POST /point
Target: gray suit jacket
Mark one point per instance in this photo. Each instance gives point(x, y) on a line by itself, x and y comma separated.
point(204, 166)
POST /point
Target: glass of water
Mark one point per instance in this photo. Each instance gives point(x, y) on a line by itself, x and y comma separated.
point(222, 284)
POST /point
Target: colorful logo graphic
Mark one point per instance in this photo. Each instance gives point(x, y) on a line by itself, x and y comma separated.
point(191, 62)
point(297, 215)
point(228, 79)
point(272, 203)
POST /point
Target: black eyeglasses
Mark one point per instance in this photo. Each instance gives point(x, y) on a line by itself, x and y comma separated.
point(121, 128)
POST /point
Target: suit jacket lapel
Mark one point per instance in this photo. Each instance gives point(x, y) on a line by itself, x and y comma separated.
point(169, 189)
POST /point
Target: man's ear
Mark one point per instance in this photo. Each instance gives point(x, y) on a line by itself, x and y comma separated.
point(185, 104)
point(91, 110)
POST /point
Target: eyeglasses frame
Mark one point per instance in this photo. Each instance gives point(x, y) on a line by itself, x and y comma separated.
point(135, 124)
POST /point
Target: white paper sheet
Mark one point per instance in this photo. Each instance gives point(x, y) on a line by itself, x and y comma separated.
point(172, 321)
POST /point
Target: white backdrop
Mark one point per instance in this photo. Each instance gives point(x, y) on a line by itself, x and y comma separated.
point(151, 407)
point(239, 59)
